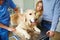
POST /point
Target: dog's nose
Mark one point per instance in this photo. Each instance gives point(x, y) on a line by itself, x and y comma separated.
point(35, 19)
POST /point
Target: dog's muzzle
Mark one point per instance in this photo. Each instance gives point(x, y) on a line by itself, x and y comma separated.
point(32, 20)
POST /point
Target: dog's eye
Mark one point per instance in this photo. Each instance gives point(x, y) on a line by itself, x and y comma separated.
point(30, 14)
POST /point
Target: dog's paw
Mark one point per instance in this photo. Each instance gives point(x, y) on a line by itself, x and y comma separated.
point(27, 36)
point(37, 29)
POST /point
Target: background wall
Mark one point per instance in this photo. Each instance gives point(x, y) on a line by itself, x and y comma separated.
point(25, 4)
point(28, 4)
point(58, 27)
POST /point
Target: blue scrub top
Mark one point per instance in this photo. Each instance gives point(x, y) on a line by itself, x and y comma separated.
point(4, 13)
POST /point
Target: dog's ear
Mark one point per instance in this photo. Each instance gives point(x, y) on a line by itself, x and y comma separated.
point(25, 18)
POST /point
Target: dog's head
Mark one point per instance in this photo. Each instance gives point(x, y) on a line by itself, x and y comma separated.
point(30, 16)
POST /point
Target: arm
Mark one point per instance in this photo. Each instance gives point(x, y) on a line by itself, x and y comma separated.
point(7, 28)
point(51, 32)
point(12, 5)
point(55, 16)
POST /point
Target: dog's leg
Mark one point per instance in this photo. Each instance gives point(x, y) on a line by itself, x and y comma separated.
point(37, 29)
point(36, 33)
point(23, 32)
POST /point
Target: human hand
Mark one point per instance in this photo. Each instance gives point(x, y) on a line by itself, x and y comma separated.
point(11, 29)
point(50, 33)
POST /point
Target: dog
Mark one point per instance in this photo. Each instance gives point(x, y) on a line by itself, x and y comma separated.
point(26, 25)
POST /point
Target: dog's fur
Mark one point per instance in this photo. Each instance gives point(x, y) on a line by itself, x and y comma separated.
point(25, 29)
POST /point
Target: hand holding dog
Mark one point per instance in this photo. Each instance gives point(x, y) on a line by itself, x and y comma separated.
point(11, 29)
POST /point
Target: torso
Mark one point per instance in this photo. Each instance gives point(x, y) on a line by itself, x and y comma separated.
point(48, 6)
point(4, 14)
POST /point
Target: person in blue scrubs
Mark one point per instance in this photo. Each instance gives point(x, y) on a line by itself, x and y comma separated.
point(51, 11)
point(5, 18)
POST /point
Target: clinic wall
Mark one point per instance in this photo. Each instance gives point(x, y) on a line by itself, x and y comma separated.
point(28, 4)
point(25, 4)
point(19, 4)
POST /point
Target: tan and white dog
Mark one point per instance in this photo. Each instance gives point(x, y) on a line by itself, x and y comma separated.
point(26, 25)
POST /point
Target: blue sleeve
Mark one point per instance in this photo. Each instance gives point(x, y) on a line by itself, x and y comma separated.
point(55, 16)
point(11, 4)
